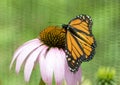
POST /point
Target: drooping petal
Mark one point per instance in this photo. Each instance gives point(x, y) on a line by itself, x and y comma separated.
point(53, 62)
point(25, 53)
point(21, 48)
point(45, 69)
point(59, 67)
point(78, 75)
point(31, 61)
point(46, 72)
point(72, 78)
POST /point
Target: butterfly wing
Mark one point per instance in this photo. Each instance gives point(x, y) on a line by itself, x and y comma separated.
point(80, 42)
point(74, 52)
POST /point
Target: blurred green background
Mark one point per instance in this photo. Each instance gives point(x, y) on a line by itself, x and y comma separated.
point(22, 20)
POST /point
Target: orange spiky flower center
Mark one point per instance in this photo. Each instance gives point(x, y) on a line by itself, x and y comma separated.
point(53, 36)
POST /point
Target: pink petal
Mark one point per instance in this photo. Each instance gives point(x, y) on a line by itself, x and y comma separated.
point(60, 83)
point(25, 53)
point(72, 78)
point(21, 48)
point(46, 71)
point(54, 61)
point(31, 61)
point(59, 67)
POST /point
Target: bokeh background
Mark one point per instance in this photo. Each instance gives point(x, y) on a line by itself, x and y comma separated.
point(22, 20)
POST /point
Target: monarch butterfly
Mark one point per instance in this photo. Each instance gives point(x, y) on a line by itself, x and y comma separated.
point(80, 43)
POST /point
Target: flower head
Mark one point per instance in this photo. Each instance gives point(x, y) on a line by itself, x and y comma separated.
point(48, 50)
point(106, 75)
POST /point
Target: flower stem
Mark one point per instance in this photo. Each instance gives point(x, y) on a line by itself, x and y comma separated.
point(41, 82)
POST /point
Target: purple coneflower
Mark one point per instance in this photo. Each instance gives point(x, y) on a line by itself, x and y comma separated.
point(48, 50)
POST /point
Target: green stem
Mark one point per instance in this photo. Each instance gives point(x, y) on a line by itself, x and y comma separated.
point(41, 82)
